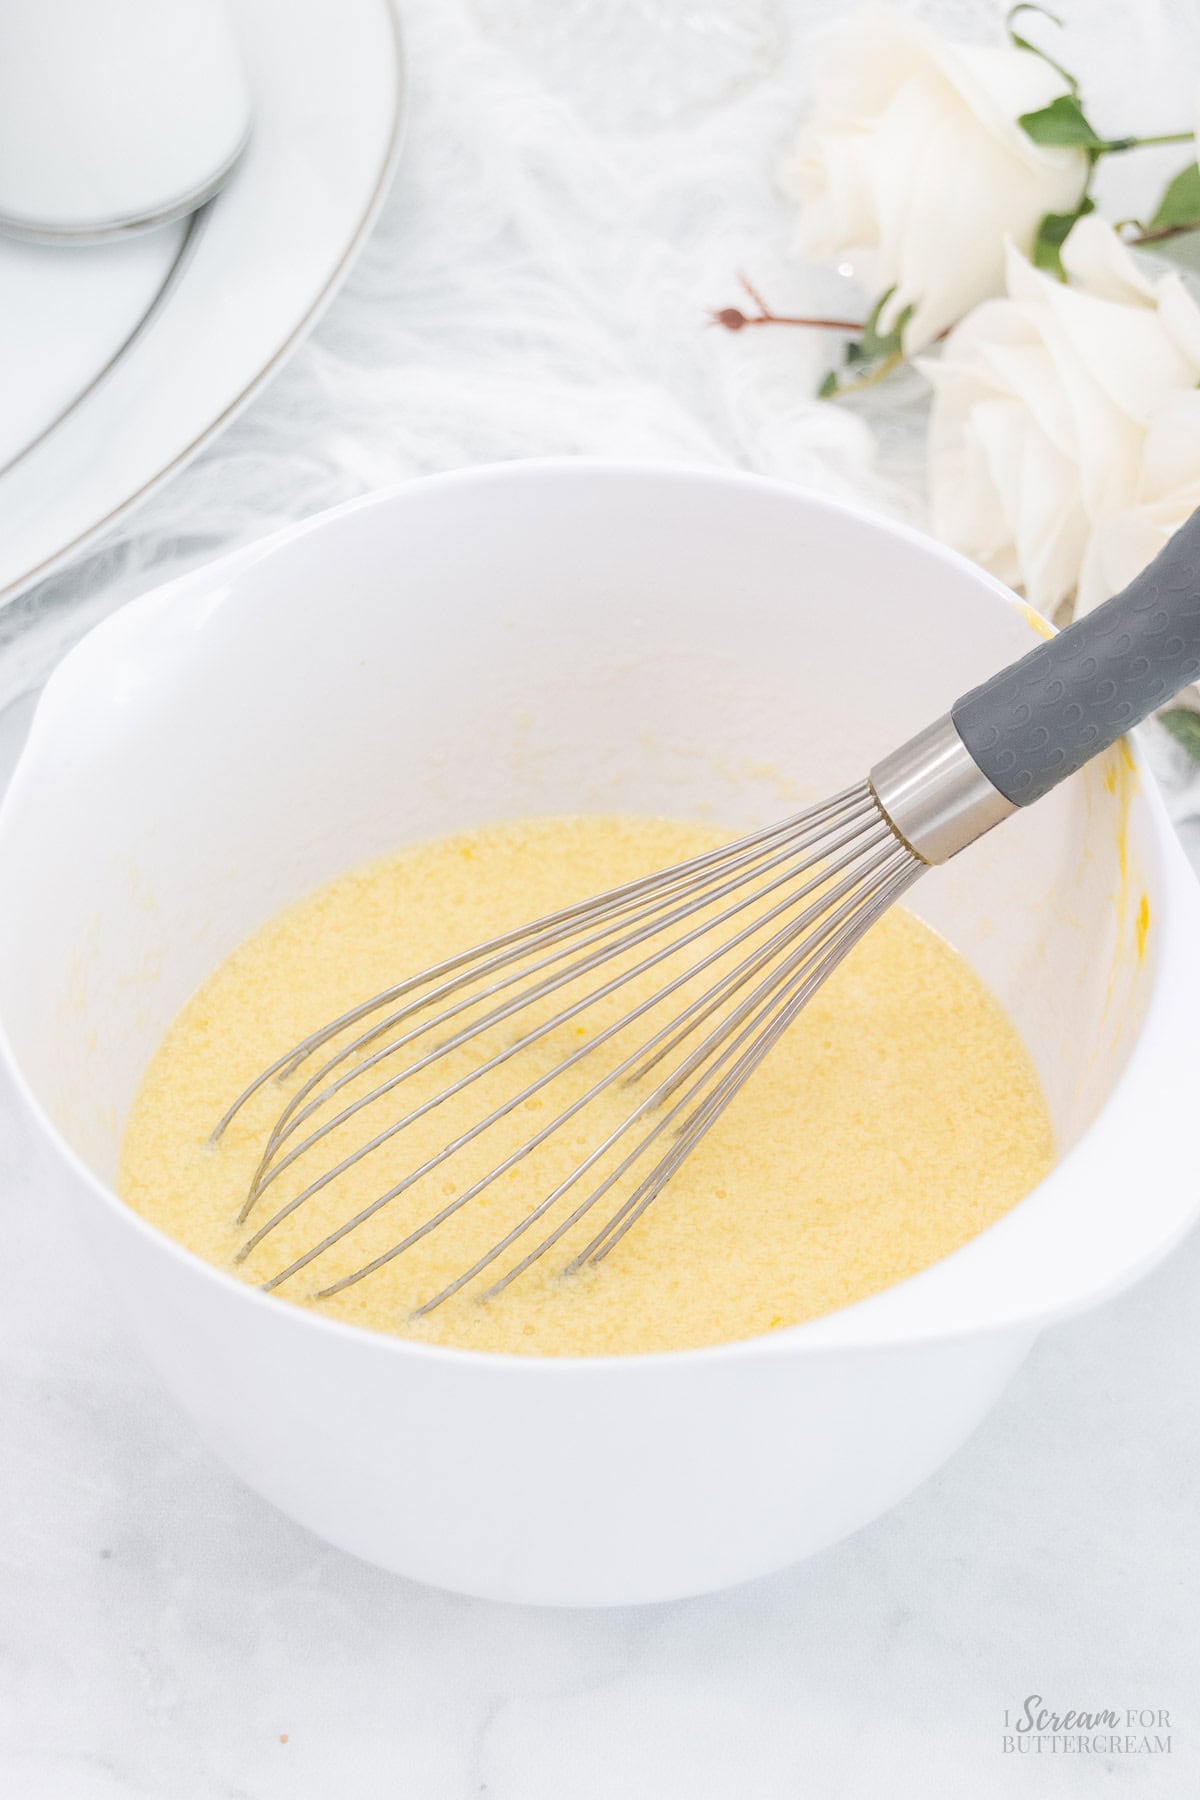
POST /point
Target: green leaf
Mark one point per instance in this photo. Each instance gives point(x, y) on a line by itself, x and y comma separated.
point(875, 344)
point(1062, 123)
point(1022, 43)
point(1180, 205)
point(902, 318)
point(873, 355)
point(1184, 726)
point(1052, 234)
point(1014, 12)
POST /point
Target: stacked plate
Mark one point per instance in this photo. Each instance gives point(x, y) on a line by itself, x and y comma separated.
point(118, 361)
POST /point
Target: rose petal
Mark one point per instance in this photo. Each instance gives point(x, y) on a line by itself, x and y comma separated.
point(831, 179)
point(1171, 455)
point(863, 60)
point(946, 194)
point(1180, 317)
point(1122, 546)
point(1097, 261)
point(1125, 349)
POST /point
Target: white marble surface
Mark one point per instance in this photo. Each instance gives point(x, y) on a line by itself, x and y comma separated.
point(162, 1629)
point(537, 285)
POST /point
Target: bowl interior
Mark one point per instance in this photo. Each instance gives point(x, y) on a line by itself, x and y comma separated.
point(529, 640)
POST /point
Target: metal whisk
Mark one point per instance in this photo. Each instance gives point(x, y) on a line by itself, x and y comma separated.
point(730, 945)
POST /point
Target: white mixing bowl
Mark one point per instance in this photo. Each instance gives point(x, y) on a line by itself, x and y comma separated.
point(558, 637)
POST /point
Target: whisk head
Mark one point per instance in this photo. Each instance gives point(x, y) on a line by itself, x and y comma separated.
point(667, 991)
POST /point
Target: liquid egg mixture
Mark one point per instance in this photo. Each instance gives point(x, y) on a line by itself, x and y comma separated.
point(898, 1116)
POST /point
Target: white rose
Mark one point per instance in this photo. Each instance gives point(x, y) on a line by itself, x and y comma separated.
point(913, 164)
point(1042, 404)
point(1168, 493)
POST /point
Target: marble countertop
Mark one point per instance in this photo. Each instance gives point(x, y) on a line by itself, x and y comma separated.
point(166, 1635)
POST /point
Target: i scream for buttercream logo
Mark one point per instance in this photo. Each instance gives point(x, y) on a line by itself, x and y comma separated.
point(1036, 1729)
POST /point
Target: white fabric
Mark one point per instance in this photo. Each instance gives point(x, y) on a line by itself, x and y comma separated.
point(582, 181)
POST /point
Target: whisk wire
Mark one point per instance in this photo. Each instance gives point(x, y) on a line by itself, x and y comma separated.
point(266, 1174)
point(492, 1118)
point(299, 1053)
point(839, 865)
point(789, 975)
point(650, 1103)
point(628, 1214)
point(295, 1111)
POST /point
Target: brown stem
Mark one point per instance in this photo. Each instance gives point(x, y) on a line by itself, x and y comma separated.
point(734, 319)
point(1157, 237)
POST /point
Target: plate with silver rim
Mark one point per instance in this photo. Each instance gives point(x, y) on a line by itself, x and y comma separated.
point(119, 360)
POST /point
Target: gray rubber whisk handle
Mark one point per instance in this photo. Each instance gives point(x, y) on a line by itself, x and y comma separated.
point(1039, 720)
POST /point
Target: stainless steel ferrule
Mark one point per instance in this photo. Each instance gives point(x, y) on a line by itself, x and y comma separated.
point(935, 795)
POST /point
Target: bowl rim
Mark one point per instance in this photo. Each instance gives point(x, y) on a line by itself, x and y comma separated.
point(864, 1325)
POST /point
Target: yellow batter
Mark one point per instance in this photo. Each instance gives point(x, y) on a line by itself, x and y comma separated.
point(898, 1117)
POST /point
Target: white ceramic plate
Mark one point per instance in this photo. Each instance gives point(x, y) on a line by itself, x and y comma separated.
point(118, 361)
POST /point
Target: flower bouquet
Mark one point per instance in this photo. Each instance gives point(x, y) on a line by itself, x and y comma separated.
point(956, 182)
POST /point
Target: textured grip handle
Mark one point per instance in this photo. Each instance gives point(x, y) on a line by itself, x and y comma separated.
point(1039, 720)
